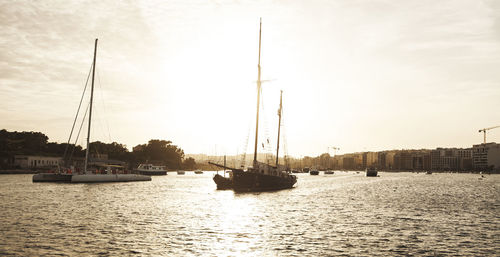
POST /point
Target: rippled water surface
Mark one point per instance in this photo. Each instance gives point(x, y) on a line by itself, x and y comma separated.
point(341, 214)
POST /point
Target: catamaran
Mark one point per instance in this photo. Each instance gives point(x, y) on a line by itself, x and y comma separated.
point(90, 175)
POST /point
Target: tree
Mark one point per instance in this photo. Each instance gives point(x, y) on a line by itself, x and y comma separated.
point(189, 164)
point(159, 151)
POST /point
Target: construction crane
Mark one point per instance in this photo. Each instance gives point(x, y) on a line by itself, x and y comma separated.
point(334, 149)
point(484, 131)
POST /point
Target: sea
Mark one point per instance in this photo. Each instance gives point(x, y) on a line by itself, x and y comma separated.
point(344, 214)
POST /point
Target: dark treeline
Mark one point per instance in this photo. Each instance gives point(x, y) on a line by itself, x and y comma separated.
point(158, 152)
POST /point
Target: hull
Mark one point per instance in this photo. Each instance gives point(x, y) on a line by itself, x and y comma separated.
point(152, 173)
point(52, 177)
point(329, 172)
point(180, 172)
point(255, 182)
point(371, 173)
point(102, 178)
point(223, 183)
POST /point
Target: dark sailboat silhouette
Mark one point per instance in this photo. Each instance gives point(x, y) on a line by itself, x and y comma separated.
point(261, 176)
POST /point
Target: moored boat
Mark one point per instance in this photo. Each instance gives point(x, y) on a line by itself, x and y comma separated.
point(181, 172)
point(111, 174)
point(261, 176)
point(328, 172)
point(198, 172)
point(149, 169)
point(371, 172)
point(314, 172)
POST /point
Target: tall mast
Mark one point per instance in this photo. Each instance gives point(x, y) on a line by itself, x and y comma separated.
point(90, 110)
point(280, 110)
point(258, 99)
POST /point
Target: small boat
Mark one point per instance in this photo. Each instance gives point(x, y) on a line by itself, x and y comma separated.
point(428, 172)
point(371, 172)
point(314, 172)
point(328, 172)
point(150, 169)
point(181, 172)
point(198, 172)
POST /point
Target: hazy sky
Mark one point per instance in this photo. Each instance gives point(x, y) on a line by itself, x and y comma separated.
point(359, 75)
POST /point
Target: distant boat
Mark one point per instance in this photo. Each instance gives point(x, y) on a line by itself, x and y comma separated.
point(181, 172)
point(428, 172)
point(371, 172)
point(261, 176)
point(295, 171)
point(314, 172)
point(198, 172)
point(150, 169)
point(109, 174)
point(328, 172)
point(305, 170)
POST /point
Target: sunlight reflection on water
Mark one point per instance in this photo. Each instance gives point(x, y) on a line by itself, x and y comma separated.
point(341, 214)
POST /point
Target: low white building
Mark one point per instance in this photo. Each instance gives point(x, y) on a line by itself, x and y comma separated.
point(486, 155)
point(32, 161)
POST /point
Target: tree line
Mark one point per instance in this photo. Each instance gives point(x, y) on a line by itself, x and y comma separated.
point(156, 151)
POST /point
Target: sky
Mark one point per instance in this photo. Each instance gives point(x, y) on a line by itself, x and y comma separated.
point(358, 75)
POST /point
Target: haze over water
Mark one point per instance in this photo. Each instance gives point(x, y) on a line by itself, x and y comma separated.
point(342, 214)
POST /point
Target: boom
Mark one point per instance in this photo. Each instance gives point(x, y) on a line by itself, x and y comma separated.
point(486, 129)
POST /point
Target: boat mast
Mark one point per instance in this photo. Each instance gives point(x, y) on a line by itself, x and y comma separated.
point(280, 110)
point(258, 99)
point(90, 110)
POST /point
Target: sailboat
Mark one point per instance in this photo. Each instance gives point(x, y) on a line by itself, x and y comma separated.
point(261, 176)
point(87, 176)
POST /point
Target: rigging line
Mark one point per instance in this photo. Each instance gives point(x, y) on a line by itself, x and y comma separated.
point(79, 130)
point(78, 111)
point(103, 105)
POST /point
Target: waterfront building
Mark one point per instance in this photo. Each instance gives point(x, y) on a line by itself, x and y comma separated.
point(348, 163)
point(451, 159)
point(486, 156)
point(381, 160)
point(34, 161)
point(389, 159)
point(369, 159)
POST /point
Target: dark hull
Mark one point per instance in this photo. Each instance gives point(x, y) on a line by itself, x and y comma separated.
point(52, 177)
point(223, 183)
point(314, 172)
point(256, 182)
point(371, 173)
point(152, 173)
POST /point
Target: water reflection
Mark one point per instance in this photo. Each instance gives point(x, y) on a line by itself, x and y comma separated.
point(341, 214)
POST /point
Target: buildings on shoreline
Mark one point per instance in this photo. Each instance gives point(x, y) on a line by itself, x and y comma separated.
point(479, 157)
